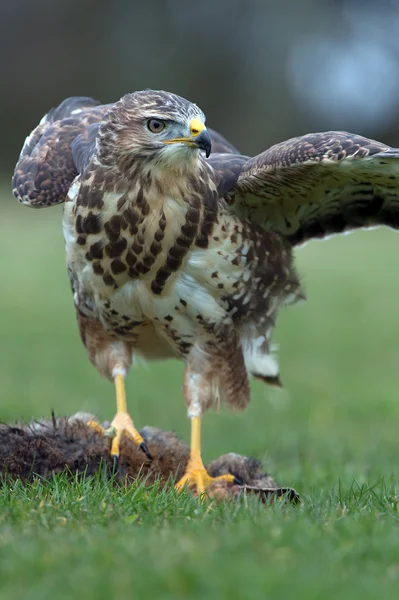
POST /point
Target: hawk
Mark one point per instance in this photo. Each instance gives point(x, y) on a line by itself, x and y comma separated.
point(177, 251)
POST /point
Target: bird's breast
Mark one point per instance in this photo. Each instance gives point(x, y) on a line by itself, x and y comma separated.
point(124, 247)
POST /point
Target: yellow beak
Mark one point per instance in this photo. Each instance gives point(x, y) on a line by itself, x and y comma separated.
point(200, 137)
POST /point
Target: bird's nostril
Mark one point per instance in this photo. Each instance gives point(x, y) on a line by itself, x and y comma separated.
point(196, 127)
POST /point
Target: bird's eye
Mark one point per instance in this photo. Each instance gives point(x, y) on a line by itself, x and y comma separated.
point(156, 125)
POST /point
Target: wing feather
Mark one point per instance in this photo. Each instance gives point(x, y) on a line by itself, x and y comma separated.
point(319, 184)
point(227, 168)
point(47, 164)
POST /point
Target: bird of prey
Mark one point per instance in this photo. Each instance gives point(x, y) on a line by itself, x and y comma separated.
point(179, 246)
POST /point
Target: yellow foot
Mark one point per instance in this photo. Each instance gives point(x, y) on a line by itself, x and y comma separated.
point(197, 477)
point(122, 424)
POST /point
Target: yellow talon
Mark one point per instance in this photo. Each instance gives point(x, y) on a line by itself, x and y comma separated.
point(196, 476)
point(121, 424)
point(116, 443)
point(96, 426)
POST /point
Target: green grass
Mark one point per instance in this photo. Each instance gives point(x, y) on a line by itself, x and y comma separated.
point(332, 434)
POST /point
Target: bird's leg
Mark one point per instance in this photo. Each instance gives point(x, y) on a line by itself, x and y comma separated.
point(122, 422)
point(196, 476)
point(198, 391)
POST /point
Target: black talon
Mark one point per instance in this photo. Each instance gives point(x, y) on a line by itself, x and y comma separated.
point(115, 463)
point(144, 448)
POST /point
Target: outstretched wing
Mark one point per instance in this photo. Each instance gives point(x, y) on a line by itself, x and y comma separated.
point(60, 148)
point(318, 184)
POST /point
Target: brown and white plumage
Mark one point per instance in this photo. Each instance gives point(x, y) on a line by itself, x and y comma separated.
point(174, 254)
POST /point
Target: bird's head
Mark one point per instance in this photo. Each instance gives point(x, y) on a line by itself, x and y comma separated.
point(155, 127)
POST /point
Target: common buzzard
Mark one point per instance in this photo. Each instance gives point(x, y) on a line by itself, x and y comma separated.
point(177, 251)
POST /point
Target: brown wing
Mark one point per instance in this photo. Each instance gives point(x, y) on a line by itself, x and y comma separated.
point(56, 151)
point(227, 168)
point(319, 184)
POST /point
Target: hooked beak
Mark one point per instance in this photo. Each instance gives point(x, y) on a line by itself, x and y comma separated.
point(203, 141)
point(199, 137)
